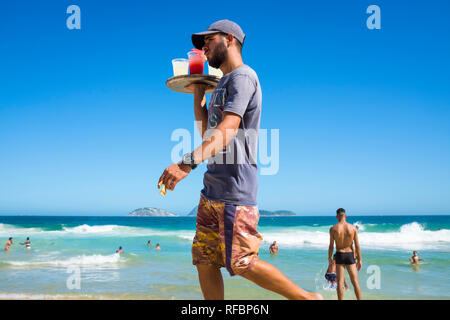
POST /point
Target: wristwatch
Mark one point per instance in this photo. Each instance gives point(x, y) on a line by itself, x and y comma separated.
point(188, 159)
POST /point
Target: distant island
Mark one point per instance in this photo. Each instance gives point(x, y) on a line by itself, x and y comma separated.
point(262, 213)
point(151, 212)
point(277, 213)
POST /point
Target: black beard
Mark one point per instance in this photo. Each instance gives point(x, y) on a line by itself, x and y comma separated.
point(219, 57)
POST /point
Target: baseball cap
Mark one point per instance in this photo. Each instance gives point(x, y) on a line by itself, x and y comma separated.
point(225, 26)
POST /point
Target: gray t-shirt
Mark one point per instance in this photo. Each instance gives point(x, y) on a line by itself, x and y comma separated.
point(232, 175)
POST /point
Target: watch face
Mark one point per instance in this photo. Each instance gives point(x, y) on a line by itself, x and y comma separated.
point(187, 158)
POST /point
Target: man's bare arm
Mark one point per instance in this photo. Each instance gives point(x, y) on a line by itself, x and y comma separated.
point(220, 137)
point(357, 247)
point(331, 246)
point(353, 250)
point(200, 110)
point(358, 251)
point(201, 113)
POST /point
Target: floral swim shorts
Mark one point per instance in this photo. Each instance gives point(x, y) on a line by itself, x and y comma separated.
point(226, 236)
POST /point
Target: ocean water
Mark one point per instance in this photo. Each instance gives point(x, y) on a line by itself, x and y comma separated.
point(62, 247)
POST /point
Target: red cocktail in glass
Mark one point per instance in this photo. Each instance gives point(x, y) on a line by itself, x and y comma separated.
point(196, 61)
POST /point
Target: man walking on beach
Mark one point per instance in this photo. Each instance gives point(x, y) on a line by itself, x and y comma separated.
point(228, 215)
point(345, 234)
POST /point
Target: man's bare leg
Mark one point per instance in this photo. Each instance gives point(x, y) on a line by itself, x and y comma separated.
point(340, 270)
point(211, 282)
point(269, 277)
point(353, 273)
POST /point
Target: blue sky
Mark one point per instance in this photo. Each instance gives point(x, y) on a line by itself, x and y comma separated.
point(364, 115)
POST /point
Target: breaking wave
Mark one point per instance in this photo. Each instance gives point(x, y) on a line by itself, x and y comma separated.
point(409, 236)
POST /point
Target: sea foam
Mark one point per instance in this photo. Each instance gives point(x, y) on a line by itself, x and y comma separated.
point(81, 260)
point(409, 236)
point(96, 229)
point(9, 230)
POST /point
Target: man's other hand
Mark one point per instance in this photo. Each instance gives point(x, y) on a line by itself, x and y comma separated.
point(359, 265)
point(198, 88)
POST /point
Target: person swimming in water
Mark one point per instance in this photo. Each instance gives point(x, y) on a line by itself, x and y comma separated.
point(415, 258)
point(157, 247)
point(330, 275)
point(8, 244)
point(27, 243)
point(149, 243)
point(119, 251)
point(273, 248)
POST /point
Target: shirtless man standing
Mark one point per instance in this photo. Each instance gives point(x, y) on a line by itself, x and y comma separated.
point(344, 234)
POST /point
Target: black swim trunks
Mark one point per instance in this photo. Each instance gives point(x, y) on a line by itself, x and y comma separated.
point(345, 258)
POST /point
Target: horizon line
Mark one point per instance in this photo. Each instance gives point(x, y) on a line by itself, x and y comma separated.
point(176, 215)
